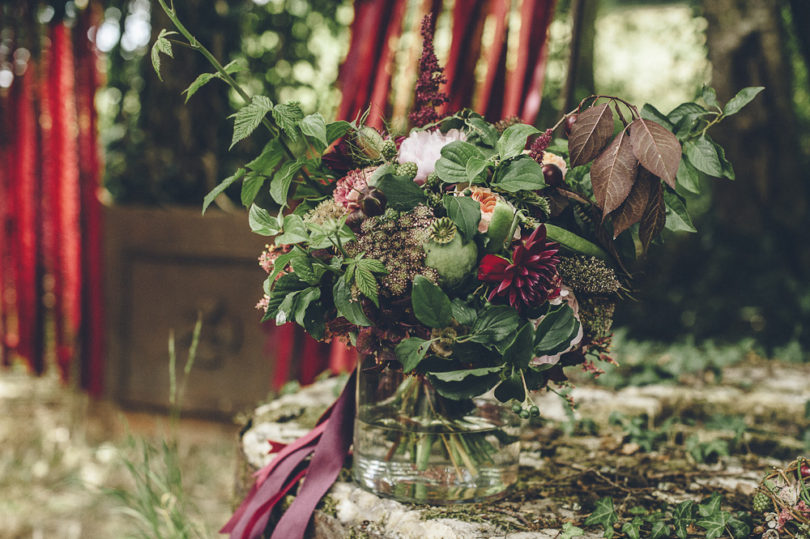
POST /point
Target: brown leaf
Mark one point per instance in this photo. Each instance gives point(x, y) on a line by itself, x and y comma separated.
point(631, 211)
point(657, 149)
point(573, 196)
point(613, 173)
point(654, 218)
point(589, 134)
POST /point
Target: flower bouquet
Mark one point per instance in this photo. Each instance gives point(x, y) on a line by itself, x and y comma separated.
point(468, 262)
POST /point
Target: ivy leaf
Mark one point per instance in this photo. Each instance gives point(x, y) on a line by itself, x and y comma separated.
point(656, 148)
point(603, 514)
point(521, 174)
point(224, 184)
point(346, 306)
point(280, 185)
point(660, 530)
point(287, 116)
point(513, 140)
point(248, 118)
point(654, 218)
point(261, 222)
point(739, 527)
point(677, 217)
point(431, 306)
point(314, 127)
point(163, 45)
point(703, 155)
point(683, 516)
point(494, 324)
point(632, 528)
point(452, 165)
point(569, 531)
point(688, 176)
point(411, 351)
point(632, 209)
point(465, 213)
point(590, 133)
point(711, 507)
point(715, 524)
point(613, 173)
point(743, 97)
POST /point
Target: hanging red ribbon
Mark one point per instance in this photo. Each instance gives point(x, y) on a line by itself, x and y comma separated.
point(63, 180)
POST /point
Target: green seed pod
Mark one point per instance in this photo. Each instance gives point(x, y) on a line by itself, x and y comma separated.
point(499, 225)
point(452, 261)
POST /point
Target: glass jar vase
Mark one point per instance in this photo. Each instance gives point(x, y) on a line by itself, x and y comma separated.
point(415, 446)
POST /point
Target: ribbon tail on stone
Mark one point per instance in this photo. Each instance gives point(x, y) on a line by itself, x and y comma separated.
point(328, 443)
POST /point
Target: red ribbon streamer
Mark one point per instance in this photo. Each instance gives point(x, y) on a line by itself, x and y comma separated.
point(328, 444)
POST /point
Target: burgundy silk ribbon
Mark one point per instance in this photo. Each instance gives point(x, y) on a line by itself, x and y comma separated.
point(328, 443)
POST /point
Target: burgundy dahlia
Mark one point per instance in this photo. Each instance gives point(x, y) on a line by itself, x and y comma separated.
point(530, 278)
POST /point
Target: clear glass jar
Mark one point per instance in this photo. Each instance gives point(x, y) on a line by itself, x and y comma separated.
point(413, 445)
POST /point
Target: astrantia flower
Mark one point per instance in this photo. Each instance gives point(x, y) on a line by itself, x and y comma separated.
point(348, 188)
point(424, 149)
point(529, 278)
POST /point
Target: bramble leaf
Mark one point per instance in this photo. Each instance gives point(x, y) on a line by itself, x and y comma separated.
point(224, 184)
point(314, 127)
point(287, 116)
point(248, 118)
point(163, 45)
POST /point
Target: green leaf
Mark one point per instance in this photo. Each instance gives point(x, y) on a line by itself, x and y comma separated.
point(411, 351)
point(555, 331)
point(521, 174)
point(248, 118)
point(711, 507)
point(286, 285)
point(261, 222)
point(703, 155)
point(687, 113)
point(683, 516)
point(520, 351)
point(569, 531)
point(710, 97)
point(267, 161)
point(199, 82)
point(648, 112)
point(302, 302)
point(574, 243)
point(739, 528)
point(335, 130)
point(280, 263)
point(452, 165)
point(367, 284)
point(688, 176)
point(163, 45)
point(314, 127)
point(660, 530)
point(603, 515)
point(463, 313)
point(483, 129)
point(346, 306)
point(224, 184)
point(401, 192)
point(728, 170)
point(715, 524)
point(465, 213)
point(633, 527)
point(287, 116)
point(475, 166)
point(743, 97)
point(372, 265)
point(251, 187)
point(466, 383)
point(294, 231)
point(677, 217)
point(511, 388)
point(431, 306)
point(494, 324)
point(513, 140)
point(280, 185)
